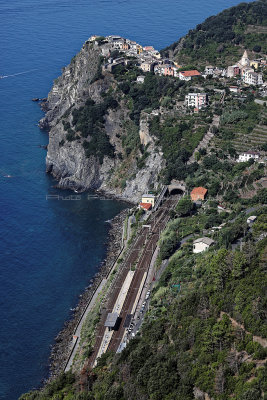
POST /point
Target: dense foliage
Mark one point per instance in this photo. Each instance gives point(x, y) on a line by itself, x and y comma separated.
point(89, 121)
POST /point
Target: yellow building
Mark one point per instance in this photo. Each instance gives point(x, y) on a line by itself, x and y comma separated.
point(148, 198)
point(139, 49)
point(254, 64)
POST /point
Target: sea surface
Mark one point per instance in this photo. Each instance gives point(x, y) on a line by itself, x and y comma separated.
point(51, 248)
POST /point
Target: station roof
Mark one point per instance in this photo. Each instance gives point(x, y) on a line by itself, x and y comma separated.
point(146, 206)
point(149, 195)
point(111, 320)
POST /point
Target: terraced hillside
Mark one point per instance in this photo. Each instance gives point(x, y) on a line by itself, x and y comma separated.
point(254, 140)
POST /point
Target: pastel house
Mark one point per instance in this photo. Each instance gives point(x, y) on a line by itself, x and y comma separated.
point(148, 199)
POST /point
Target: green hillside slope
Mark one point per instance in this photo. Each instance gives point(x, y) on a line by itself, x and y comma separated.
point(221, 39)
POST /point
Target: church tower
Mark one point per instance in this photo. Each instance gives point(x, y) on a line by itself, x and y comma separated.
point(245, 62)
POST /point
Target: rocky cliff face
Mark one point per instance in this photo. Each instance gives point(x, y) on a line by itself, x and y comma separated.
point(67, 161)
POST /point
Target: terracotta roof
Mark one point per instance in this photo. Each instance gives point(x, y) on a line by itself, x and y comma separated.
point(194, 72)
point(146, 206)
point(251, 152)
point(199, 190)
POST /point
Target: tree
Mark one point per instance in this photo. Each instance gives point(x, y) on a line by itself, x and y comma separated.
point(184, 207)
point(257, 48)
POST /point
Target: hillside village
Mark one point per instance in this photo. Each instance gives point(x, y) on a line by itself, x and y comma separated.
point(245, 71)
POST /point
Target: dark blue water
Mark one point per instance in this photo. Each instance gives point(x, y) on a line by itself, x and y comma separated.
point(51, 248)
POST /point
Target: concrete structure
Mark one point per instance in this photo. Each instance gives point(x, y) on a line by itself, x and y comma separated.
point(202, 244)
point(188, 75)
point(198, 193)
point(196, 100)
point(244, 157)
point(148, 198)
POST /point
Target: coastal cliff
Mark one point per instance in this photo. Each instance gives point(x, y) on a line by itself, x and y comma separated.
point(103, 151)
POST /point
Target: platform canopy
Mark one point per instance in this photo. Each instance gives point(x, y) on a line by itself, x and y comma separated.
point(111, 320)
point(127, 320)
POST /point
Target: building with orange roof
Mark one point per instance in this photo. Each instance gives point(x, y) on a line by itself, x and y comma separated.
point(145, 206)
point(198, 193)
point(188, 75)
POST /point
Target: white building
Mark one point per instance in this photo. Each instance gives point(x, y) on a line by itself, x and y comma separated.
point(196, 100)
point(140, 79)
point(251, 219)
point(252, 78)
point(246, 156)
point(188, 75)
point(209, 70)
point(202, 244)
point(118, 44)
point(234, 89)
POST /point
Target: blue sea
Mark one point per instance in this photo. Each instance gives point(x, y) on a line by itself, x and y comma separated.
point(51, 248)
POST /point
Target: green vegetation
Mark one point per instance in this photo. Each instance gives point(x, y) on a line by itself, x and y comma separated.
point(89, 121)
point(222, 38)
point(178, 137)
point(145, 96)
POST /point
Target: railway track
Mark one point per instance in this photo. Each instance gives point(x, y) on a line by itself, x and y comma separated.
point(139, 256)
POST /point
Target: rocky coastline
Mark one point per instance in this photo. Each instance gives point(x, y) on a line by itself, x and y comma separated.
point(61, 348)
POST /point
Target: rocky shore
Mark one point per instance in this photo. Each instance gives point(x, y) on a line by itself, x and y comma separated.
point(61, 348)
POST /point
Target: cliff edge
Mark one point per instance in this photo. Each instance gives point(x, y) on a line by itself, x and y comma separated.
point(93, 142)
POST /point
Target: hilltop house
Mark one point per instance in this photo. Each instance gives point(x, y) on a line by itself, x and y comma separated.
point(198, 193)
point(246, 156)
point(202, 244)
